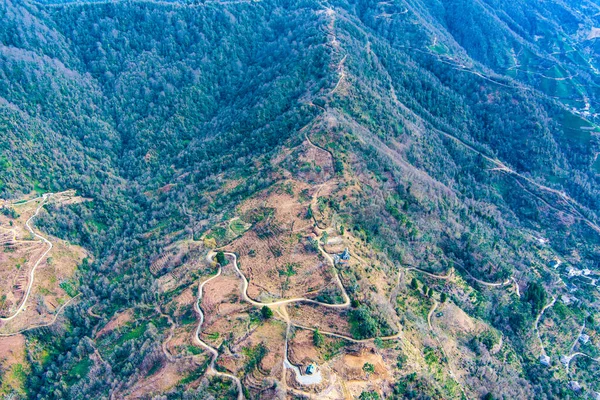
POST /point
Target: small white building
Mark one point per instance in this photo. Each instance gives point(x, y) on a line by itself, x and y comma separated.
point(566, 299)
point(586, 272)
point(571, 271)
point(545, 360)
point(342, 258)
point(583, 338)
point(574, 386)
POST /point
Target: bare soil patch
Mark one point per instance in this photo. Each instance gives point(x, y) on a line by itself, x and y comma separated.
point(323, 318)
point(116, 322)
point(276, 254)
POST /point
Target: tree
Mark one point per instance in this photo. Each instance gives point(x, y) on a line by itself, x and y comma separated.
point(317, 338)
point(325, 238)
point(370, 395)
point(363, 325)
point(536, 296)
point(221, 258)
point(368, 368)
point(288, 271)
point(414, 284)
point(266, 312)
point(443, 297)
point(309, 212)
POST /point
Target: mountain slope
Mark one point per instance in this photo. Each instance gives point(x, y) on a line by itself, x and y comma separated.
point(449, 146)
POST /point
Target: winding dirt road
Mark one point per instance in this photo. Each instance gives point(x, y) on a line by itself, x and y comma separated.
point(233, 259)
point(214, 353)
point(56, 315)
point(537, 323)
point(44, 198)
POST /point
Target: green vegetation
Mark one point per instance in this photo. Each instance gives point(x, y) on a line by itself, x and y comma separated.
point(414, 284)
point(536, 296)
point(254, 356)
point(369, 395)
point(332, 349)
point(286, 273)
point(169, 116)
point(362, 324)
point(69, 287)
point(220, 257)
point(318, 339)
point(238, 227)
point(368, 368)
point(266, 313)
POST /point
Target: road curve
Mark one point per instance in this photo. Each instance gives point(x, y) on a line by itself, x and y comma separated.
point(233, 259)
point(210, 349)
point(56, 315)
point(45, 198)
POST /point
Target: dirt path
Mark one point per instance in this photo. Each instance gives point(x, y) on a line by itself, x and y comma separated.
point(56, 315)
point(484, 283)
point(537, 323)
point(165, 343)
point(572, 356)
point(45, 198)
point(212, 350)
point(433, 308)
point(501, 167)
point(233, 259)
point(342, 71)
point(313, 379)
point(348, 338)
point(516, 286)
point(450, 369)
point(396, 290)
point(575, 214)
point(444, 277)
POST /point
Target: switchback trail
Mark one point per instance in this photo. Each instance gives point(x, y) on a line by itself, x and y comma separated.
point(450, 369)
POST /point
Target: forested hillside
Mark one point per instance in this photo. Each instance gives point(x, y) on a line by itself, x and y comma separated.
point(403, 195)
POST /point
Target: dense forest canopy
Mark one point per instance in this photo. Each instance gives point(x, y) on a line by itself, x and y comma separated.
point(460, 134)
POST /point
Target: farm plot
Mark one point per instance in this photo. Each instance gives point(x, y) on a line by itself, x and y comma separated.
point(227, 317)
point(320, 317)
point(276, 254)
